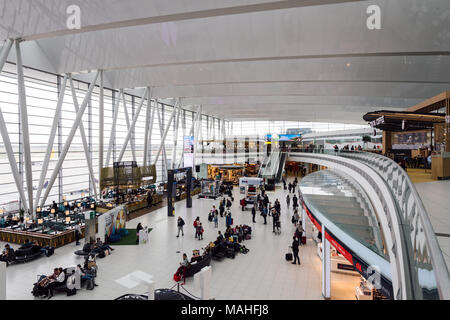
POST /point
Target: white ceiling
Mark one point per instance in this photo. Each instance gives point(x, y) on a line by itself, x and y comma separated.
point(256, 59)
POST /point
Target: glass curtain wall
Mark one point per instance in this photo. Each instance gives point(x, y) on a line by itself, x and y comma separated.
point(42, 90)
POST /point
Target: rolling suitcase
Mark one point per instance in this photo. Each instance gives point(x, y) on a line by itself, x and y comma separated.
point(288, 256)
point(304, 240)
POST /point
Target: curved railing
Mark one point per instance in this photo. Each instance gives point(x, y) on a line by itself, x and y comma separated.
point(414, 244)
point(384, 206)
point(425, 252)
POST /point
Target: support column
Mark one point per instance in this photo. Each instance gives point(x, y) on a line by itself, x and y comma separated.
point(24, 122)
point(146, 129)
point(12, 160)
point(113, 131)
point(163, 138)
point(69, 139)
point(447, 125)
point(164, 166)
point(51, 140)
point(150, 130)
point(127, 119)
point(175, 137)
point(101, 126)
point(198, 124)
point(2, 280)
point(83, 138)
point(326, 266)
point(5, 53)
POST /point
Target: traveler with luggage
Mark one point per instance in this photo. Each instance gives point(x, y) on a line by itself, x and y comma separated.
point(196, 223)
point(180, 224)
point(295, 250)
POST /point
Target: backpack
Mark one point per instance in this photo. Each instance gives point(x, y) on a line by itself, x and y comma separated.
point(90, 284)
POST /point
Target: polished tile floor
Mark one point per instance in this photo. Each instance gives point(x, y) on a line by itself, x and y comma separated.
point(262, 274)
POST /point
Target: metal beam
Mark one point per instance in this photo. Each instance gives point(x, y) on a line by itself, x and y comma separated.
point(12, 160)
point(191, 131)
point(147, 124)
point(161, 132)
point(133, 123)
point(69, 138)
point(127, 119)
point(198, 126)
point(83, 137)
point(163, 138)
point(5, 53)
point(101, 126)
point(51, 140)
point(151, 129)
point(113, 131)
point(175, 137)
point(24, 125)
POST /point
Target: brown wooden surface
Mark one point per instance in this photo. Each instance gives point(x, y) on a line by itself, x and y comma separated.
point(63, 238)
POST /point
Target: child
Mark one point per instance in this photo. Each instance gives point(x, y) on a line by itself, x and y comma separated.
point(200, 231)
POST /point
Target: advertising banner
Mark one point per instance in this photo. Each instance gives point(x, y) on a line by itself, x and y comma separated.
point(112, 221)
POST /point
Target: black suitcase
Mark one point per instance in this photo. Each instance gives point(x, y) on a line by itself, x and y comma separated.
point(289, 256)
point(50, 251)
point(229, 253)
point(71, 292)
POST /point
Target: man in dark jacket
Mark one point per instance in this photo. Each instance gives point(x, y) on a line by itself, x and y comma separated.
point(149, 199)
point(253, 213)
point(295, 201)
point(295, 245)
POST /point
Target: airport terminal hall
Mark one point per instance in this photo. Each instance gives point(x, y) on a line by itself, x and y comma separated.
point(236, 154)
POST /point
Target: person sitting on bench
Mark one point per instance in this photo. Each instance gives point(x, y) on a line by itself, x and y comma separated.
point(184, 265)
point(52, 281)
point(7, 254)
point(26, 245)
point(99, 245)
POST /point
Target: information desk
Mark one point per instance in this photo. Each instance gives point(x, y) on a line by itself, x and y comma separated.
point(132, 206)
point(55, 238)
point(440, 166)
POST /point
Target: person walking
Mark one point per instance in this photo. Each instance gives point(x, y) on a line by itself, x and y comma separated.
point(288, 200)
point(196, 223)
point(253, 213)
point(295, 201)
point(290, 187)
point(149, 199)
point(295, 245)
point(264, 214)
point(138, 228)
point(180, 224)
point(216, 220)
point(275, 217)
point(77, 233)
point(200, 231)
point(296, 217)
point(222, 207)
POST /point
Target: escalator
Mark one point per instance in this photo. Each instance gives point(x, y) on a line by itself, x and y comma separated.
point(281, 164)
